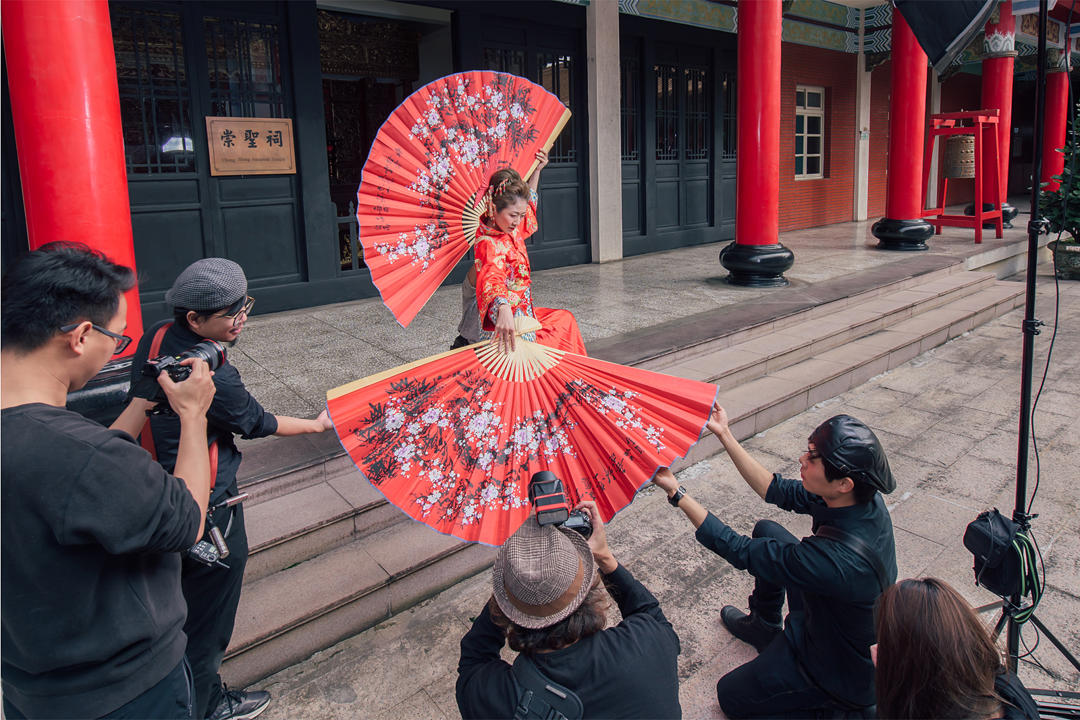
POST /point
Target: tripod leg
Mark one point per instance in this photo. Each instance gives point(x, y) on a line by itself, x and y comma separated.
point(999, 625)
point(1057, 643)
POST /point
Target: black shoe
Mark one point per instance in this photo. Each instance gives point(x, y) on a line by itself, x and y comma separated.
point(750, 628)
point(240, 705)
point(460, 341)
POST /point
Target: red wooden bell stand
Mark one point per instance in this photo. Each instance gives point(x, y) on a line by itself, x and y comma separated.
point(983, 125)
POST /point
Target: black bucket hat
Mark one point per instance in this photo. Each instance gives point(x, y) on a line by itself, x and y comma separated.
point(852, 448)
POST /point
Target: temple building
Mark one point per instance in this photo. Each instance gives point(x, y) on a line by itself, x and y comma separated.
point(693, 122)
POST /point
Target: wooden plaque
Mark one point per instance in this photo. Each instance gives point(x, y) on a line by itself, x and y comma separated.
point(250, 146)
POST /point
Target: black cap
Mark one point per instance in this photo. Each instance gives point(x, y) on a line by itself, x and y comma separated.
point(852, 448)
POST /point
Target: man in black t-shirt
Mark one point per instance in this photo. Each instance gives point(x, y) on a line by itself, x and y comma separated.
point(91, 527)
point(548, 603)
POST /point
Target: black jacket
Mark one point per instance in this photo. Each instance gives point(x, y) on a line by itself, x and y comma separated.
point(233, 411)
point(91, 532)
point(832, 636)
point(1019, 703)
point(626, 671)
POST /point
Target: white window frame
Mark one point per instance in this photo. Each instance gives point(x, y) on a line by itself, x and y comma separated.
point(806, 111)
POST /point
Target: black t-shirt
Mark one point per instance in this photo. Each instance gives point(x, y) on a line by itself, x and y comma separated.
point(91, 528)
point(626, 671)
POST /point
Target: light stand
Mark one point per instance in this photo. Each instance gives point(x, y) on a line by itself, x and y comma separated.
point(1030, 329)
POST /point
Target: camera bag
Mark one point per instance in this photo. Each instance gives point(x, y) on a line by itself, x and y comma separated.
point(539, 698)
point(991, 538)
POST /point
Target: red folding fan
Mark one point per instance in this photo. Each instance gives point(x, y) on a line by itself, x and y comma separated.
point(421, 192)
point(453, 440)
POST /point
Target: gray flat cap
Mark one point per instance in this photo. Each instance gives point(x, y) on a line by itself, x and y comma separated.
point(208, 284)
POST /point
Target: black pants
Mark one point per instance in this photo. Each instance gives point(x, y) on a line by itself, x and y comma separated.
point(773, 684)
point(212, 595)
point(170, 699)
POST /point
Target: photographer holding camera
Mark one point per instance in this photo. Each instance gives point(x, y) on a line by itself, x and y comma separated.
point(549, 604)
point(817, 664)
point(92, 527)
point(210, 303)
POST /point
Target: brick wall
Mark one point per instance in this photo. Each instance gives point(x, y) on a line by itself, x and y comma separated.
point(809, 203)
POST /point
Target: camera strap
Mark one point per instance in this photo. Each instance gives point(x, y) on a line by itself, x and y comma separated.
point(540, 697)
point(146, 435)
point(860, 548)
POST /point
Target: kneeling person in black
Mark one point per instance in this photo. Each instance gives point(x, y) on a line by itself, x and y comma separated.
point(549, 604)
point(210, 302)
point(817, 664)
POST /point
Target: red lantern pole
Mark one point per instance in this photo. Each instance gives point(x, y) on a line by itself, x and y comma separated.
point(999, 49)
point(903, 228)
point(1057, 114)
point(65, 106)
point(757, 258)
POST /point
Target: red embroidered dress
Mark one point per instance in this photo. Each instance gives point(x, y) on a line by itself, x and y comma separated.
point(503, 276)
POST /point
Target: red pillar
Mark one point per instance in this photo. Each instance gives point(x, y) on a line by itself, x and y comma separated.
point(66, 111)
point(997, 85)
point(756, 257)
point(1057, 113)
point(903, 228)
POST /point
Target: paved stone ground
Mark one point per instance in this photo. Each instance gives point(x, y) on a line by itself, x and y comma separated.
point(948, 420)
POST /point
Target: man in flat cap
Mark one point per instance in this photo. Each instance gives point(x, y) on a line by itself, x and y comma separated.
point(210, 302)
point(549, 604)
point(817, 663)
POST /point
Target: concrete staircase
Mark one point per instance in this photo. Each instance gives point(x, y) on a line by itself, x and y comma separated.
point(329, 557)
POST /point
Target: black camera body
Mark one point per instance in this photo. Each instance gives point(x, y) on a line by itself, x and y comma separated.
point(548, 497)
point(211, 351)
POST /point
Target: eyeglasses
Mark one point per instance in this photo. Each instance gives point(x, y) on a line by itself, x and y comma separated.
point(122, 341)
point(249, 302)
point(812, 454)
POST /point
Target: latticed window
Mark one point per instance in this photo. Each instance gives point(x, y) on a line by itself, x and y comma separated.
point(727, 116)
point(556, 74)
point(244, 62)
point(697, 113)
point(667, 112)
point(505, 60)
point(630, 101)
point(155, 106)
point(809, 132)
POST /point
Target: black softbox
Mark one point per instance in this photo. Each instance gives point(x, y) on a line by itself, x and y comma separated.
point(943, 28)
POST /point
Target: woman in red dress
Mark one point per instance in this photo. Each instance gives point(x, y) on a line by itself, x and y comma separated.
point(503, 276)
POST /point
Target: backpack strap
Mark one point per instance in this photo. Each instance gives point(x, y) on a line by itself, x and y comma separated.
point(540, 697)
point(146, 436)
point(860, 548)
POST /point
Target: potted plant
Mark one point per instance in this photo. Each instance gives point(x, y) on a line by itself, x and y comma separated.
point(1063, 211)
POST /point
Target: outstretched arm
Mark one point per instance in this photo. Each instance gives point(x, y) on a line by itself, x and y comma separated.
point(299, 426)
point(665, 480)
point(542, 161)
point(753, 472)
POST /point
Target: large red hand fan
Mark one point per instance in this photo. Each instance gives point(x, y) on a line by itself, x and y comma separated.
point(421, 192)
point(454, 439)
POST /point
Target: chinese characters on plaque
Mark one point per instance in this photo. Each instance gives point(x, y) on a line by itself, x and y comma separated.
point(250, 146)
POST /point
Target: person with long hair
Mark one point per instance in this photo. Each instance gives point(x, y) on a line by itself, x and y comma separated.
point(935, 658)
point(503, 273)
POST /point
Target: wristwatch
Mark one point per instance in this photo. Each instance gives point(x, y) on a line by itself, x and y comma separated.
point(674, 499)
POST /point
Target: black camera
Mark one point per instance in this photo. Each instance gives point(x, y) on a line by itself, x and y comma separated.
point(211, 351)
point(549, 499)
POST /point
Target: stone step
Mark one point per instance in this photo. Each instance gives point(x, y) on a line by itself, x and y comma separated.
point(741, 362)
point(764, 402)
point(285, 617)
